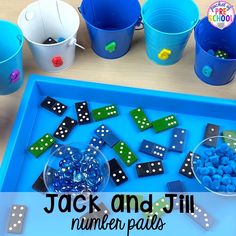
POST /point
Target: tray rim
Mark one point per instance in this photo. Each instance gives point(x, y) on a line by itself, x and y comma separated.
point(34, 79)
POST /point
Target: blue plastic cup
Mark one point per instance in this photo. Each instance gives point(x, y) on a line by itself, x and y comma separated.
point(168, 25)
point(209, 68)
point(111, 25)
point(11, 57)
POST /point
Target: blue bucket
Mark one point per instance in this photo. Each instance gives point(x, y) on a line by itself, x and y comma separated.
point(168, 25)
point(11, 66)
point(209, 39)
point(111, 25)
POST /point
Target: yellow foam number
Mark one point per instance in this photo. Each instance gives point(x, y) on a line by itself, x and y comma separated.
point(164, 54)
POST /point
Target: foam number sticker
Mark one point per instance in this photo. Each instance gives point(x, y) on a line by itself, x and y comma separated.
point(111, 47)
point(15, 76)
point(207, 71)
point(57, 61)
point(164, 54)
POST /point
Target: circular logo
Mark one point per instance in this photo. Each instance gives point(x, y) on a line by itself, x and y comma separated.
point(221, 14)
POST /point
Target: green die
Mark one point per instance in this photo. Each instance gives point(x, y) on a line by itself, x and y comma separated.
point(125, 153)
point(140, 119)
point(105, 112)
point(132, 202)
point(229, 137)
point(157, 208)
point(42, 145)
point(165, 123)
point(221, 54)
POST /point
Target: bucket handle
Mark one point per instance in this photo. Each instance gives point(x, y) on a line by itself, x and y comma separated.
point(74, 42)
point(139, 24)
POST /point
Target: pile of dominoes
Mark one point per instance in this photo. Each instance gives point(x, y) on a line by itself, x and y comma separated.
point(106, 136)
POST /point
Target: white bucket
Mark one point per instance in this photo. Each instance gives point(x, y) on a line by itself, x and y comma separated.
point(50, 18)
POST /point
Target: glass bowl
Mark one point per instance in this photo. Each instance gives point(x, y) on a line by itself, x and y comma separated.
point(76, 168)
point(215, 167)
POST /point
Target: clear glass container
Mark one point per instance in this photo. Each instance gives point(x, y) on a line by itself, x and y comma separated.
point(76, 168)
point(211, 162)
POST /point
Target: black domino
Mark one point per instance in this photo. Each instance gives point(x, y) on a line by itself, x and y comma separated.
point(54, 106)
point(211, 131)
point(65, 128)
point(152, 149)
point(107, 135)
point(149, 168)
point(94, 146)
point(39, 184)
point(116, 172)
point(50, 41)
point(83, 113)
point(177, 140)
point(176, 186)
point(186, 168)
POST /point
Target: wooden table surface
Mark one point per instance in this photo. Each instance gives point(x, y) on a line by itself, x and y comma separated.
point(133, 70)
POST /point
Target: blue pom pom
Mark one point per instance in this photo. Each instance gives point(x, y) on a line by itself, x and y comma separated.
point(199, 163)
point(230, 188)
point(220, 167)
point(215, 185)
point(224, 147)
point(217, 177)
point(204, 158)
point(222, 150)
point(228, 169)
point(61, 39)
point(215, 160)
point(206, 180)
point(233, 179)
point(234, 169)
point(233, 165)
point(198, 170)
point(211, 170)
point(224, 160)
point(204, 171)
point(219, 172)
point(222, 188)
point(209, 152)
point(230, 154)
point(207, 164)
point(234, 157)
point(226, 180)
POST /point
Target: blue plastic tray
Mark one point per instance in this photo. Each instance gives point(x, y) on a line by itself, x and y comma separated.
point(20, 169)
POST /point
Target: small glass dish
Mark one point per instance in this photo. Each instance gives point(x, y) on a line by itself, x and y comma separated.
point(76, 168)
point(215, 168)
